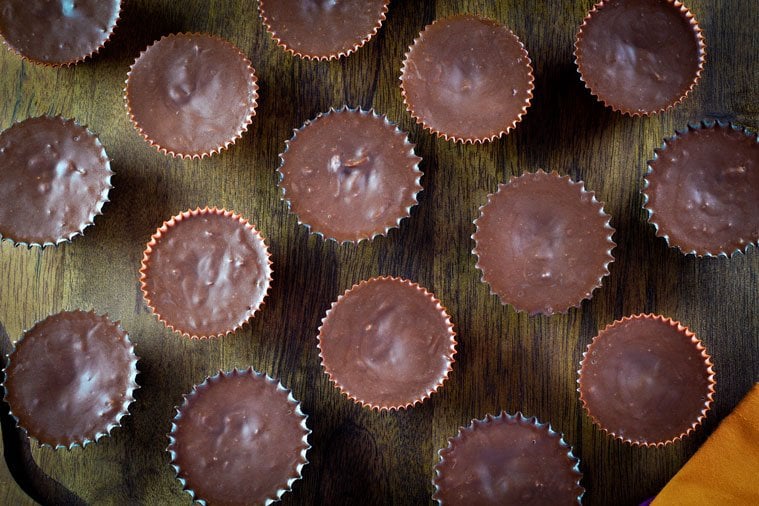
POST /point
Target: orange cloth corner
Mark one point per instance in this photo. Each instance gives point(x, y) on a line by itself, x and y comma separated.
point(725, 470)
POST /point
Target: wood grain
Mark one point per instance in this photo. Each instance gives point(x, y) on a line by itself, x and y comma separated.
point(506, 361)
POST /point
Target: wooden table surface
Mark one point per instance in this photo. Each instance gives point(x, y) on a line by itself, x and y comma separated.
point(505, 361)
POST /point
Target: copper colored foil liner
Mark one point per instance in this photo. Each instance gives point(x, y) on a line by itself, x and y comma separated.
point(79, 59)
point(162, 231)
point(287, 484)
point(688, 15)
point(253, 80)
point(320, 57)
point(401, 404)
point(688, 335)
point(108, 425)
point(573, 463)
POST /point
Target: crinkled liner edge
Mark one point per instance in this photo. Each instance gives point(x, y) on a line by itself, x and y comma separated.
point(607, 226)
point(164, 228)
point(516, 419)
point(80, 59)
point(700, 40)
point(411, 153)
point(129, 399)
point(257, 375)
point(104, 199)
point(253, 100)
point(433, 389)
point(686, 332)
point(692, 126)
point(332, 56)
point(464, 139)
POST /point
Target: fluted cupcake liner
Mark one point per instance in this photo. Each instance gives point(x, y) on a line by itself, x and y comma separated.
point(287, 484)
point(109, 425)
point(652, 215)
point(708, 395)
point(98, 206)
point(433, 387)
point(688, 15)
point(382, 231)
point(278, 39)
point(243, 127)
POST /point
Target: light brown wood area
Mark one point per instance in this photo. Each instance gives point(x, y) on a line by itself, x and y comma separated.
point(505, 361)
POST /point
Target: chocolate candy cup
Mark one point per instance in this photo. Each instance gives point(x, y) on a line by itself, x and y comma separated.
point(238, 438)
point(387, 343)
point(507, 459)
point(640, 57)
point(543, 243)
point(646, 380)
point(55, 177)
point(322, 30)
point(467, 79)
point(205, 272)
point(191, 95)
point(57, 33)
point(350, 175)
point(702, 189)
point(71, 379)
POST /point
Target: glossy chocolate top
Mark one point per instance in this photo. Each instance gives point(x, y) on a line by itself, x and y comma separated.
point(323, 28)
point(507, 460)
point(467, 78)
point(71, 378)
point(191, 94)
point(57, 32)
point(703, 190)
point(207, 273)
point(350, 175)
point(543, 243)
point(387, 343)
point(54, 178)
point(239, 439)
point(645, 380)
point(638, 56)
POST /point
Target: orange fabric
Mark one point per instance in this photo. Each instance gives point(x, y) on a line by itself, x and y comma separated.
point(725, 470)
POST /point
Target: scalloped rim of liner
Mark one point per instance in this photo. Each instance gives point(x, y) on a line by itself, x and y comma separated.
point(332, 56)
point(593, 201)
point(387, 122)
point(686, 332)
point(242, 128)
point(158, 235)
point(516, 419)
point(464, 139)
point(700, 40)
point(79, 59)
point(703, 124)
point(111, 425)
point(431, 390)
point(255, 374)
point(98, 207)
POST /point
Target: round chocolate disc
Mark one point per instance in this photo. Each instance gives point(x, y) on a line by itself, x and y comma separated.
point(71, 378)
point(702, 189)
point(646, 380)
point(543, 243)
point(191, 94)
point(205, 272)
point(507, 460)
point(350, 175)
point(467, 79)
point(640, 56)
point(322, 29)
point(239, 438)
point(60, 32)
point(54, 179)
point(387, 343)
